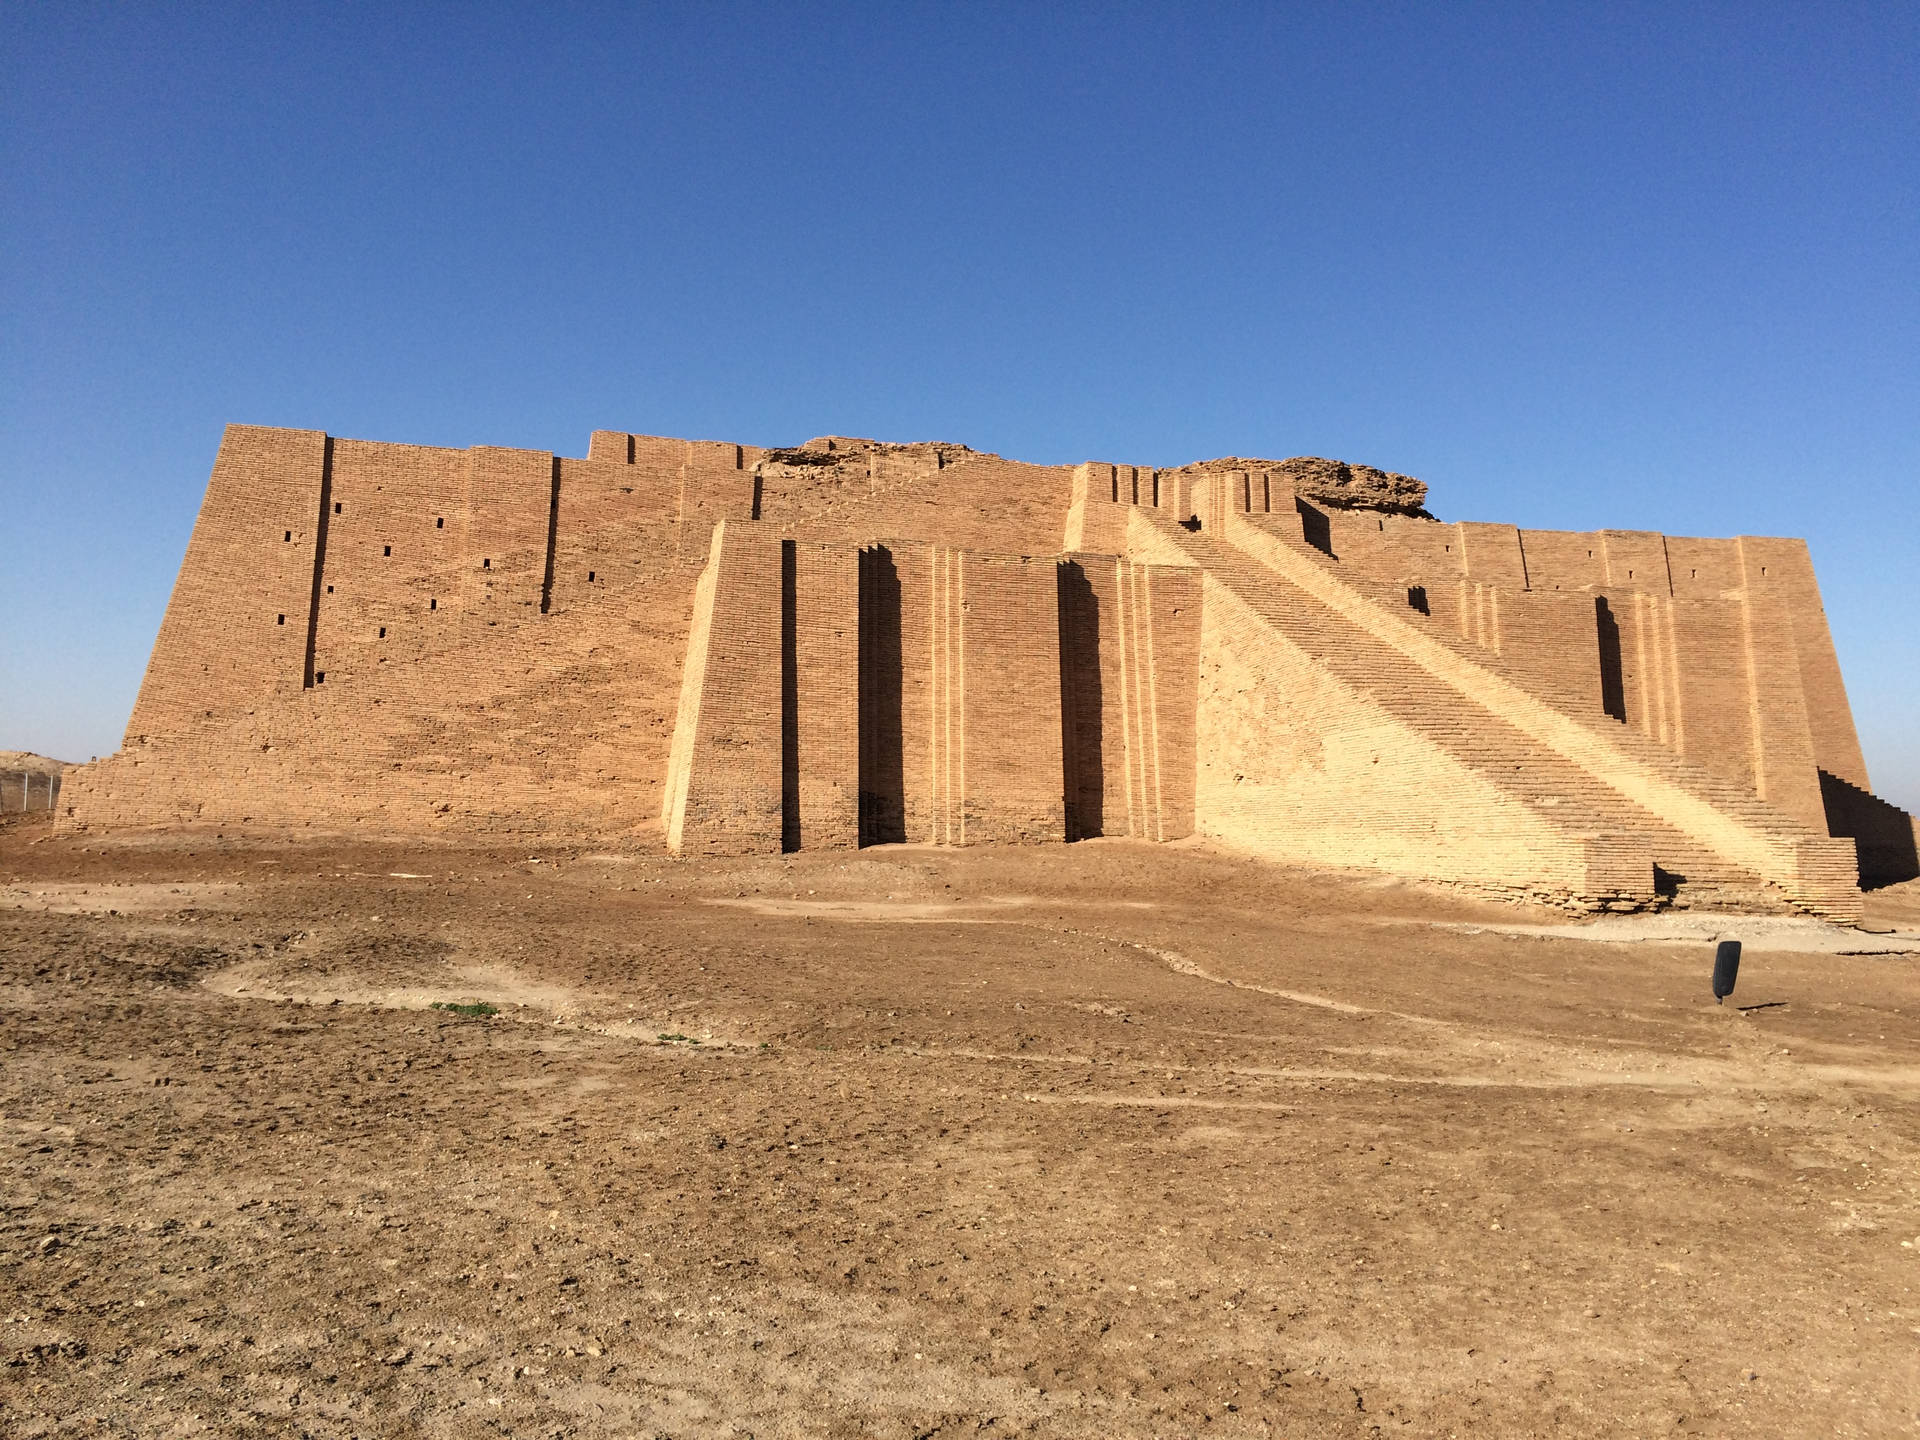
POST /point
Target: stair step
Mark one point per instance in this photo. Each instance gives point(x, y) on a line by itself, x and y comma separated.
point(1460, 724)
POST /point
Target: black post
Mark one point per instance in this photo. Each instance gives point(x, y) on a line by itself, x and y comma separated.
point(1726, 967)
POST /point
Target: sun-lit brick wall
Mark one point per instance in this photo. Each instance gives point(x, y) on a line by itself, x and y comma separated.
point(997, 631)
point(1783, 567)
point(1130, 663)
point(1294, 764)
point(820, 704)
point(236, 628)
point(731, 802)
point(855, 643)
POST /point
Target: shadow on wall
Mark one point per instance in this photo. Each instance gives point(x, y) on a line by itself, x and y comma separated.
point(1613, 685)
point(1884, 833)
point(319, 556)
point(1081, 747)
point(1315, 527)
point(553, 536)
point(789, 700)
point(883, 790)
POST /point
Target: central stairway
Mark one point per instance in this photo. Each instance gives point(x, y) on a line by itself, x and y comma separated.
point(1578, 779)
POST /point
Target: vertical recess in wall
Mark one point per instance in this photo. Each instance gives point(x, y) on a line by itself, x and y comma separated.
point(553, 531)
point(883, 790)
point(1613, 688)
point(319, 556)
point(1315, 527)
point(789, 700)
point(1082, 749)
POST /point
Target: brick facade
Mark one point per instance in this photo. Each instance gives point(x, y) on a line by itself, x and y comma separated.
point(850, 643)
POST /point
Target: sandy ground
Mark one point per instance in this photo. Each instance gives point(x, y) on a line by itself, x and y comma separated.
point(1102, 1140)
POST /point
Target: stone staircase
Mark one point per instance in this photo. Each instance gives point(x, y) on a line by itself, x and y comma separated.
point(1711, 842)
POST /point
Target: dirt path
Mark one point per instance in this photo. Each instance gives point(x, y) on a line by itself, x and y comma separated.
point(1100, 1140)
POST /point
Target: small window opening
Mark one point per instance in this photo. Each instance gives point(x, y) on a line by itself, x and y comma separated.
point(1763, 569)
point(336, 507)
point(1417, 599)
point(386, 550)
point(329, 589)
point(439, 522)
point(589, 577)
point(1629, 574)
point(281, 621)
point(486, 564)
point(288, 535)
point(383, 632)
point(433, 604)
point(319, 677)
point(1383, 524)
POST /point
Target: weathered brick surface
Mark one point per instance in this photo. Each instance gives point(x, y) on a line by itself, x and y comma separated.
point(849, 642)
point(1296, 763)
point(820, 704)
point(726, 795)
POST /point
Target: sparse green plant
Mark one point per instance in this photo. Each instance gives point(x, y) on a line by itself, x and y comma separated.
point(478, 1010)
point(678, 1040)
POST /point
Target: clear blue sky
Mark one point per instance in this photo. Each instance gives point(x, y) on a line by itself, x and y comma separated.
point(1638, 266)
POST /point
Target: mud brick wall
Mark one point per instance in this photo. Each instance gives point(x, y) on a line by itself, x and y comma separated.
point(1688, 677)
point(1293, 764)
point(990, 677)
point(708, 480)
point(1093, 746)
point(836, 695)
point(236, 629)
point(971, 501)
point(1670, 652)
point(1491, 554)
point(945, 686)
point(1649, 669)
point(1102, 495)
point(1887, 838)
point(460, 655)
point(395, 586)
point(892, 699)
point(864, 643)
point(820, 695)
point(1784, 568)
point(1550, 640)
point(1786, 773)
point(1011, 660)
point(1129, 665)
point(724, 792)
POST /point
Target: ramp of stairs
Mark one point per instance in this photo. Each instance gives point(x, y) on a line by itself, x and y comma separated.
point(1723, 792)
point(1565, 793)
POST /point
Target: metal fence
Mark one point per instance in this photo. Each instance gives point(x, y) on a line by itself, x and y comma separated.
point(27, 790)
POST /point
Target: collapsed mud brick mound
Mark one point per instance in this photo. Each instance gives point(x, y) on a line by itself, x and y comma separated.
point(1339, 483)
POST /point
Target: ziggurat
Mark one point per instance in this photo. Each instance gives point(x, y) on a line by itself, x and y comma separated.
point(848, 643)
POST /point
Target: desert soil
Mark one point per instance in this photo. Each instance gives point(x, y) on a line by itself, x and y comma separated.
point(27, 760)
point(1100, 1140)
